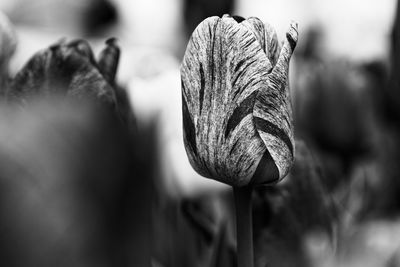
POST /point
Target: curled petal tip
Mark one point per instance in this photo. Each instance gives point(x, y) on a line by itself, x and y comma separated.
point(294, 24)
point(292, 35)
point(108, 60)
point(293, 30)
point(60, 42)
point(111, 41)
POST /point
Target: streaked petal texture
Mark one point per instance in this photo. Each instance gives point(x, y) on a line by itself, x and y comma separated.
point(230, 106)
point(273, 111)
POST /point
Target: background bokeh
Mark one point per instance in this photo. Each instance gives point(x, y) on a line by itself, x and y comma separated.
point(339, 206)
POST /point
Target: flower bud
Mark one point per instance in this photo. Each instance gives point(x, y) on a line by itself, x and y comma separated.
point(237, 114)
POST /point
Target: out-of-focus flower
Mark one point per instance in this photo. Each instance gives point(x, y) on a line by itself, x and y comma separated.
point(69, 69)
point(335, 110)
point(65, 68)
point(237, 115)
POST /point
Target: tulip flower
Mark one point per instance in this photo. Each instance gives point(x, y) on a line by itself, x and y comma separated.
point(237, 115)
point(70, 69)
point(66, 68)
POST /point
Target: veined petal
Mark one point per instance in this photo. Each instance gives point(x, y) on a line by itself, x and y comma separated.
point(223, 70)
point(273, 111)
point(266, 36)
point(273, 46)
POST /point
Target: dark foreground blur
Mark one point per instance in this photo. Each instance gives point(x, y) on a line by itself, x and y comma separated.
point(69, 193)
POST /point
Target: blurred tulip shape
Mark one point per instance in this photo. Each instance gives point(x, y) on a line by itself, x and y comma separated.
point(237, 115)
point(66, 68)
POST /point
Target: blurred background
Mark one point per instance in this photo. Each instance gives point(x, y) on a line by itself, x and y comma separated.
point(339, 206)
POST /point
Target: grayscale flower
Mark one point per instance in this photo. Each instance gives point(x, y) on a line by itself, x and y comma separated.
point(237, 114)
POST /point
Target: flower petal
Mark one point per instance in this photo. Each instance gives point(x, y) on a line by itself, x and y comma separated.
point(108, 60)
point(273, 111)
point(266, 36)
point(223, 69)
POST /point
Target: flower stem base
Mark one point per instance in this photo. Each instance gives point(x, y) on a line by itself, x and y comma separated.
point(244, 226)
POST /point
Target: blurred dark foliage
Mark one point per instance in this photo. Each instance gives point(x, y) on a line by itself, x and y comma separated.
point(334, 106)
point(200, 230)
point(340, 112)
point(389, 136)
point(194, 231)
point(348, 114)
point(286, 213)
point(195, 11)
point(393, 89)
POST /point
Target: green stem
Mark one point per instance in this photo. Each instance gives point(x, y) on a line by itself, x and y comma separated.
point(244, 226)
